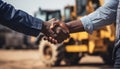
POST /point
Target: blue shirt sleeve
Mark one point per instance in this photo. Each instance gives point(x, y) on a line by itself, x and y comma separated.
point(19, 20)
point(103, 16)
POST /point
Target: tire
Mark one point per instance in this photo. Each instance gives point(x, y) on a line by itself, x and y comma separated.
point(107, 57)
point(50, 54)
point(72, 58)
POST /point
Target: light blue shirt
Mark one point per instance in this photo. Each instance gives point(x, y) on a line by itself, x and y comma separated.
point(103, 16)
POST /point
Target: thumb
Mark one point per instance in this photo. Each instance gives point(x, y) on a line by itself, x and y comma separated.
point(54, 23)
point(53, 19)
point(62, 25)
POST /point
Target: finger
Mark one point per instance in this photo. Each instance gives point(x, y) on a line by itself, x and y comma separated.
point(51, 33)
point(53, 19)
point(54, 23)
point(52, 27)
point(50, 39)
point(54, 41)
point(62, 25)
point(58, 30)
point(45, 38)
point(61, 36)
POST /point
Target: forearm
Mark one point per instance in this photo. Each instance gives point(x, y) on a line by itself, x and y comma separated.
point(103, 16)
point(75, 26)
point(19, 20)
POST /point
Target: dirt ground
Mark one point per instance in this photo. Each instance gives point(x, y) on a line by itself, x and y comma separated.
point(29, 59)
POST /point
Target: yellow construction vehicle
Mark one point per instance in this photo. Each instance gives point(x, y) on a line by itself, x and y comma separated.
point(81, 43)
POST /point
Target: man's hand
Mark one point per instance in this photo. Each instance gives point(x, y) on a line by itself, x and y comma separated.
point(61, 31)
point(56, 31)
point(46, 28)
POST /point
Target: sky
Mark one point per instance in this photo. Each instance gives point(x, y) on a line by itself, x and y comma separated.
point(30, 6)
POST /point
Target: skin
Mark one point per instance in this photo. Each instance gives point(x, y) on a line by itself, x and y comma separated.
point(75, 26)
point(64, 29)
point(53, 29)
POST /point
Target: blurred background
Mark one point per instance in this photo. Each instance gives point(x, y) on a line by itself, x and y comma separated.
point(80, 51)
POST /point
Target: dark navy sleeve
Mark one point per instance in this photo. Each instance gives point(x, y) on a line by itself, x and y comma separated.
point(19, 20)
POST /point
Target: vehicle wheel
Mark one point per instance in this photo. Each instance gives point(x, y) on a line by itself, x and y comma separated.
point(107, 57)
point(50, 54)
point(72, 58)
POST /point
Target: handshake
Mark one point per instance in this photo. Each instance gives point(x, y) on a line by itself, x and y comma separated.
point(55, 31)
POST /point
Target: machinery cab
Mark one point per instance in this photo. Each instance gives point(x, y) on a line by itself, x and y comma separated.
point(69, 13)
point(46, 15)
point(81, 8)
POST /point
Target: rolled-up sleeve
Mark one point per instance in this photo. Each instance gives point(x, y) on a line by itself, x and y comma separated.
point(103, 16)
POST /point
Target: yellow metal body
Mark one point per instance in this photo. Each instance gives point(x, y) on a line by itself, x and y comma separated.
point(76, 48)
point(94, 42)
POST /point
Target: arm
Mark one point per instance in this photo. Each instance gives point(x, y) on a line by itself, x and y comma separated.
point(75, 26)
point(103, 16)
point(19, 20)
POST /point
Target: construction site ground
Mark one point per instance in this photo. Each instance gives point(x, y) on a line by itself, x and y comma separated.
point(30, 59)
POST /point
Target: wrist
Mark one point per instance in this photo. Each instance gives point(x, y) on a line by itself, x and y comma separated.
point(75, 26)
point(43, 28)
point(68, 26)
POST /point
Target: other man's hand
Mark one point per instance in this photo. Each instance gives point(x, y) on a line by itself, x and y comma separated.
point(61, 31)
point(56, 31)
point(46, 28)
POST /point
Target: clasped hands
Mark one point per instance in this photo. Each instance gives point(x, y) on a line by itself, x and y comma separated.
point(55, 31)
